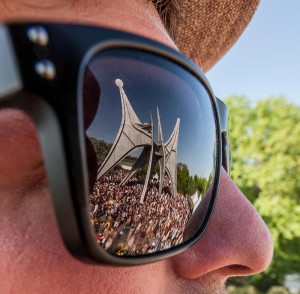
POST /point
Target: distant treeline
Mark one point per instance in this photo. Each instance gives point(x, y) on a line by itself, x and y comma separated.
point(101, 148)
point(188, 184)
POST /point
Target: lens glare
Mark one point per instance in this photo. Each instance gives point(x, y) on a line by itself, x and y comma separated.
point(150, 128)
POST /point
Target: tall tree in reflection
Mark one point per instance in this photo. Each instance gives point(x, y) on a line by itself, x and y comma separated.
point(188, 184)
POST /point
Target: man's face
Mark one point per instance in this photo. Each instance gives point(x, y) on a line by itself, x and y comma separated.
point(33, 257)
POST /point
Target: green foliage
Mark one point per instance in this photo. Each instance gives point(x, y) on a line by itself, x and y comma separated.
point(101, 148)
point(252, 290)
point(187, 184)
point(242, 290)
point(277, 290)
point(266, 166)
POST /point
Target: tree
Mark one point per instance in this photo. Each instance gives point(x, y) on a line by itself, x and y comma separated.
point(183, 178)
point(188, 184)
point(265, 158)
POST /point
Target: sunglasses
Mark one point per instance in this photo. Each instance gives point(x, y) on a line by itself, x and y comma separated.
point(133, 138)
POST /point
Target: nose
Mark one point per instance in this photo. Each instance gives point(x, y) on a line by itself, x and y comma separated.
point(236, 242)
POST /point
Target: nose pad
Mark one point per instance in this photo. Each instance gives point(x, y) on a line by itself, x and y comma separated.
point(91, 102)
point(225, 152)
point(91, 163)
point(91, 98)
point(236, 242)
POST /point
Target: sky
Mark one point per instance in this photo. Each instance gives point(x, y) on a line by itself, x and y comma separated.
point(152, 84)
point(265, 61)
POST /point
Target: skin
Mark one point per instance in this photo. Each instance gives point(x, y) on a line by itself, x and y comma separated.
point(33, 257)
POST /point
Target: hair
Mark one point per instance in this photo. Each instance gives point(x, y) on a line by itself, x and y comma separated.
point(169, 13)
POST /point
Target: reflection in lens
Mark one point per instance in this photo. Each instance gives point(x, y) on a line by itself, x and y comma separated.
point(154, 139)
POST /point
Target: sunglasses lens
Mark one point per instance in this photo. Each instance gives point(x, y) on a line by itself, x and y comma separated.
point(151, 151)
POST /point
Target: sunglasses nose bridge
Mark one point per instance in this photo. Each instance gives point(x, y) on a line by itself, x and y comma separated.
point(223, 118)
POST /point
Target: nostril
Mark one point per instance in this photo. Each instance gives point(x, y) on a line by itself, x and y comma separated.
point(237, 270)
point(236, 242)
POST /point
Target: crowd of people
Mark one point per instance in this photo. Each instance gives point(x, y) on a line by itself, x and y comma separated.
point(126, 226)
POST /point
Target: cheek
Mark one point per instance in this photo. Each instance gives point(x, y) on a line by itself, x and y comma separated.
point(31, 249)
point(20, 159)
point(32, 252)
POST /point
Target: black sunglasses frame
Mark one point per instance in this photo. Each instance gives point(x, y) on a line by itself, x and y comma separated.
point(52, 103)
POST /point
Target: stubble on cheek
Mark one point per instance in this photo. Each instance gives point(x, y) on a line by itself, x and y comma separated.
point(211, 283)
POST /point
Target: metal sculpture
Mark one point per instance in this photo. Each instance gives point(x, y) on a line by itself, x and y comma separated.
point(133, 134)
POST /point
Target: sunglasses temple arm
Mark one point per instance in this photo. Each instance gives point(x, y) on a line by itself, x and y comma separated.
point(223, 118)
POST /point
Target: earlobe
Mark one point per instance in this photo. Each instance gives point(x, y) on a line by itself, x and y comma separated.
point(236, 242)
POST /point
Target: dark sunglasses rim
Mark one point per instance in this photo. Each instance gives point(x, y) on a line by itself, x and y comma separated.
point(88, 250)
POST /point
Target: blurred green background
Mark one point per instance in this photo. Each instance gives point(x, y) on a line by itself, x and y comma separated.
point(265, 134)
point(265, 158)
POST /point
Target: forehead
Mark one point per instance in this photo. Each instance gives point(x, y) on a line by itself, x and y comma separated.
point(135, 16)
